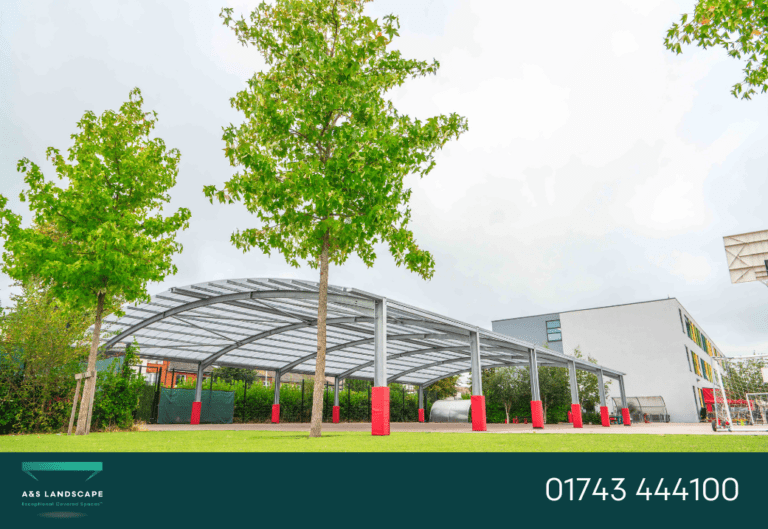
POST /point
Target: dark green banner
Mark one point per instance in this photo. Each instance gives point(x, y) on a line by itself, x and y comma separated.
point(380, 490)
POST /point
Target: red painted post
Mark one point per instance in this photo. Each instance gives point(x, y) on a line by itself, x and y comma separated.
point(604, 417)
point(380, 411)
point(336, 414)
point(478, 413)
point(537, 414)
point(576, 413)
point(625, 416)
point(195, 419)
point(276, 413)
point(421, 415)
point(570, 416)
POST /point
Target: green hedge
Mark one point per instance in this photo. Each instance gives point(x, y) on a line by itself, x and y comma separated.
point(254, 403)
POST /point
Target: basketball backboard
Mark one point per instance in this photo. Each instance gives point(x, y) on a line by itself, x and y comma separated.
point(747, 256)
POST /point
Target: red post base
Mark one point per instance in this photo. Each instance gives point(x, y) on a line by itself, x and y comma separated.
point(336, 414)
point(195, 418)
point(380, 411)
point(478, 413)
point(537, 414)
point(570, 416)
point(276, 413)
point(605, 418)
point(421, 415)
point(576, 413)
point(625, 416)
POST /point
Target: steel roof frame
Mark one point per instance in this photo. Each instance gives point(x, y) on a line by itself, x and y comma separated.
point(189, 323)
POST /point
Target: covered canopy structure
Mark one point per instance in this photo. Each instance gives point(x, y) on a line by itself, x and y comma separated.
point(271, 324)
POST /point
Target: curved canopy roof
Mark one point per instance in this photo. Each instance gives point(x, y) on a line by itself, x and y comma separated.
point(271, 324)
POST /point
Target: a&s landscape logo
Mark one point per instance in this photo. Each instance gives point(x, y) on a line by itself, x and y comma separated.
point(65, 491)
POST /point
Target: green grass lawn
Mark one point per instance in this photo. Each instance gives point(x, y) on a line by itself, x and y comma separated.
point(244, 441)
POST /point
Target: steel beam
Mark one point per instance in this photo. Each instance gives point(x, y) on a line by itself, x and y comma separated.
point(601, 387)
point(421, 397)
point(534, 375)
point(278, 374)
point(199, 382)
point(380, 344)
point(622, 392)
point(474, 352)
point(574, 383)
point(336, 381)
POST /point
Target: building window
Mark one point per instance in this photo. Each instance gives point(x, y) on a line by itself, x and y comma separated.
point(150, 378)
point(696, 400)
point(688, 356)
point(553, 331)
point(180, 379)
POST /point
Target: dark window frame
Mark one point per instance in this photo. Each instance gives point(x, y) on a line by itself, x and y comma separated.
point(554, 330)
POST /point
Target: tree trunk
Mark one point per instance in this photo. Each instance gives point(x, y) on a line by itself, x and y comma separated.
point(89, 388)
point(545, 413)
point(316, 425)
point(506, 410)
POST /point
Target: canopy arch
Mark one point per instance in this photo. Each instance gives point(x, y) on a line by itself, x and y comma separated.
point(270, 324)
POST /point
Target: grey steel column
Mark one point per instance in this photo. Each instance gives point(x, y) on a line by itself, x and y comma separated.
point(474, 351)
point(336, 381)
point(277, 387)
point(534, 375)
point(574, 384)
point(601, 387)
point(380, 344)
point(199, 383)
point(421, 397)
point(623, 393)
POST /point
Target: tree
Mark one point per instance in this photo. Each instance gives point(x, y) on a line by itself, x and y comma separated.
point(507, 385)
point(322, 154)
point(589, 395)
point(738, 26)
point(442, 389)
point(554, 388)
point(42, 345)
point(107, 236)
point(230, 374)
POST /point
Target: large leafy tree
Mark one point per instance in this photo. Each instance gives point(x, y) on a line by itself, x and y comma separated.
point(322, 154)
point(509, 386)
point(106, 237)
point(738, 26)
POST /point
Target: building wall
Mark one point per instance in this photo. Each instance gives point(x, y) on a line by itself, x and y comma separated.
point(646, 340)
point(532, 329)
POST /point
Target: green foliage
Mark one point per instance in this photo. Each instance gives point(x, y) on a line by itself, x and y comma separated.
point(230, 374)
point(441, 389)
point(322, 152)
point(253, 403)
point(589, 395)
point(117, 393)
point(107, 235)
point(503, 386)
point(42, 344)
point(740, 27)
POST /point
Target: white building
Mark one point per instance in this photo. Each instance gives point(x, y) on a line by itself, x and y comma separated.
point(657, 344)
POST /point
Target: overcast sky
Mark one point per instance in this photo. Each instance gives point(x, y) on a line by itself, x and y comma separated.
point(598, 169)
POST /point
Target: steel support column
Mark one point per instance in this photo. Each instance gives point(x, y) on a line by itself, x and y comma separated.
point(626, 419)
point(421, 403)
point(537, 411)
point(478, 400)
point(276, 405)
point(605, 418)
point(575, 405)
point(197, 404)
point(380, 390)
point(336, 408)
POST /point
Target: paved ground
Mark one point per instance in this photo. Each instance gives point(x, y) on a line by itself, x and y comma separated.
point(395, 427)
